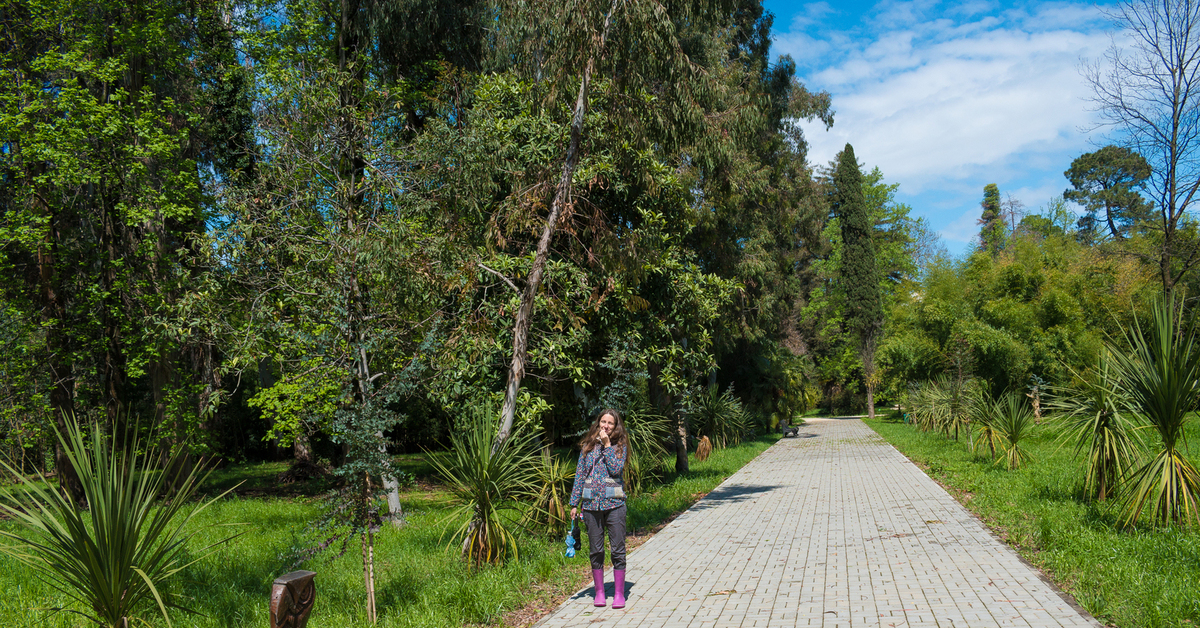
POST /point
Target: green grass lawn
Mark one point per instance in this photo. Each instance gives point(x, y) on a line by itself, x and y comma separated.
point(1141, 578)
point(419, 581)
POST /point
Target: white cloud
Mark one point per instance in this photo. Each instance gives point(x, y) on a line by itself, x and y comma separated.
point(810, 14)
point(945, 101)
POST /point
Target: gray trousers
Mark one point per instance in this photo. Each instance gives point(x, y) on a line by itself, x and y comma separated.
point(597, 522)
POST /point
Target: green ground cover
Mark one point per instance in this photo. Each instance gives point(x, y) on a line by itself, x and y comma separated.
point(1140, 578)
point(419, 581)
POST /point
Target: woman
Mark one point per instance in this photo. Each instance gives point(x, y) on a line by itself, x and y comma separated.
point(600, 490)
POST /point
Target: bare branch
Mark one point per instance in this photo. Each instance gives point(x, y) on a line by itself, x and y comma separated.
point(1149, 94)
point(502, 277)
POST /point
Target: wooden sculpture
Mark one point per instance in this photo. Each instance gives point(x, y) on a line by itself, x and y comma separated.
point(292, 598)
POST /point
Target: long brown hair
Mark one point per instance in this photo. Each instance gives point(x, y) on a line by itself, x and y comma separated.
point(617, 437)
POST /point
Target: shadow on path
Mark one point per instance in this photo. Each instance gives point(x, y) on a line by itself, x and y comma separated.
point(733, 493)
point(609, 590)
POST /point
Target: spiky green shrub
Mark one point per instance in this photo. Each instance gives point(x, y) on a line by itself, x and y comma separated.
point(1092, 414)
point(119, 555)
point(488, 484)
point(648, 434)
point(984, 435)
point(945, 404)
point(552, 479)
point(719, 416)
point(1158, 375)
point(922, 410)
point(1012, 419)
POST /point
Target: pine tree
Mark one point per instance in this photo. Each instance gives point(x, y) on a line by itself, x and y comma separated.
point(864, 307)
point(1105, 183)
point(991, 231)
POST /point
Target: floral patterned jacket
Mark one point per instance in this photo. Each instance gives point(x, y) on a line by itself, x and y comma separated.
point(599, 464)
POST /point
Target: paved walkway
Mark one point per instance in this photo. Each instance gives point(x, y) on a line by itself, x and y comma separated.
point(834, 528)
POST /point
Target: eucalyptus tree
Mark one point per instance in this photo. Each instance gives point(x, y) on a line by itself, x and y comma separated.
point(640, 52)
point(621, 271)
point(761, 211)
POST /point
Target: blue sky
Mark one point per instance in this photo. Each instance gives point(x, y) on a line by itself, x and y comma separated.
point(947, 97)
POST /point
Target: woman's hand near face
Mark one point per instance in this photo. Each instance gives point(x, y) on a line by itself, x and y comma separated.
point(607, 423)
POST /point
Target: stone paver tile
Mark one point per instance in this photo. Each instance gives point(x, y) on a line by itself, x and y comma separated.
point(833, 528)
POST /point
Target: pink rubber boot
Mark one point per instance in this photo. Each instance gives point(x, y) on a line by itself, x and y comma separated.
point(619, 590)
point(598, 579)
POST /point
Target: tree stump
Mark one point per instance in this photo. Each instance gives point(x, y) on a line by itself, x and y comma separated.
point(292, 598)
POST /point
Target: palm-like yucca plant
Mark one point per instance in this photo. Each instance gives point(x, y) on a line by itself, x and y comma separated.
point(118, 556)
point(922, 406)
point(487, 482)
point(1012, 419)
point(1091, 413)
point(719, 416)
point(648, 432)
point(553, 491)
point(1159, 375)
point(960, 398)
point(984, 433)
point(945, 404)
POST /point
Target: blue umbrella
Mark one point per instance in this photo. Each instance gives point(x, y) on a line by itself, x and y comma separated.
point(571, 541)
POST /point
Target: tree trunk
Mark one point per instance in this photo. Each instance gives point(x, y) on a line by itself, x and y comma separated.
point(353, 173)
point(301, 450)
point(160, 375)
point(654, 388)
point(1164, 265)
point(266, 379)
point(1112, 225)
point(681, 443)
point(392, 487)
point(54, 318)
point(368, 556)
point(113, 366)
point(562, 196)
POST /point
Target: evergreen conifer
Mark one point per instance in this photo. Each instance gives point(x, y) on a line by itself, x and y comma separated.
point(864, 307)
point(991, 231)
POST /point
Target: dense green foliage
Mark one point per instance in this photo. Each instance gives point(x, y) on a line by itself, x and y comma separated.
point(833, 367)
point(1040, 307)
point(269, 230)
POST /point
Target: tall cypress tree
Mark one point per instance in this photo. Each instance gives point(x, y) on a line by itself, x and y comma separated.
point(864, 306)
point(991, 230)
